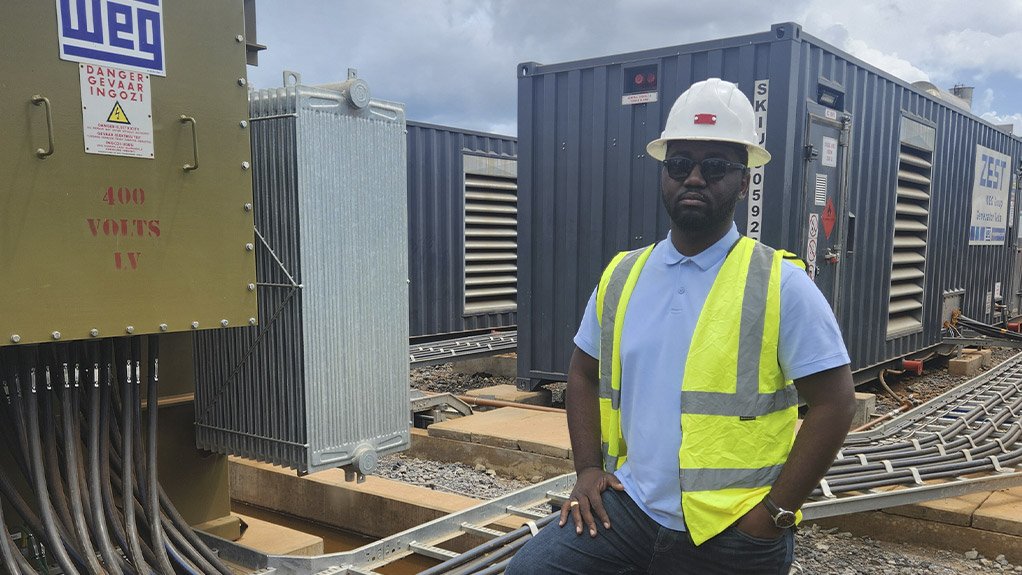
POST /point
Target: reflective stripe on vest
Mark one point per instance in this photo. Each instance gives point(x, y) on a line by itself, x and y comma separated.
point(616, 286)
point(737, 411)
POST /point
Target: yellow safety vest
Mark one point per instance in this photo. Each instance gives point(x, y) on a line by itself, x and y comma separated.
point(737, 411)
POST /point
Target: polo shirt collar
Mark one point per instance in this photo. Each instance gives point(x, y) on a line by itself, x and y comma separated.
point(706, 258)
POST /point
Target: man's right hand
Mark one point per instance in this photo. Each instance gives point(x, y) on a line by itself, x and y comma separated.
point(585, 505)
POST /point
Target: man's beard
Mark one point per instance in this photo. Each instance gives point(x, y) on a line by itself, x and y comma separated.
point(700, 219)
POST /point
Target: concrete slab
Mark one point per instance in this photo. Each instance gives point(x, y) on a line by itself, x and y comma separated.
point(865, 406)
point(512, 462)
point(504, 365)
point(511, 393)
point(274, 539)
point(531, 431)
point(953, 511)
point(967, 364)
point(228, 527)
point(376, 508)
point(1001, 512)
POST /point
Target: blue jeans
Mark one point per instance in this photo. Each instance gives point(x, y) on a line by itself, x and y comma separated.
point(638, 544)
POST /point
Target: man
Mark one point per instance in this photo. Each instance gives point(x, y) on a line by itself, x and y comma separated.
point(714, 331)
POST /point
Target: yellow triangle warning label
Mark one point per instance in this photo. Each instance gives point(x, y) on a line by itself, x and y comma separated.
point(117, 115)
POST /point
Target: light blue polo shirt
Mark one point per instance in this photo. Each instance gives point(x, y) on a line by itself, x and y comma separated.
point(657, 331)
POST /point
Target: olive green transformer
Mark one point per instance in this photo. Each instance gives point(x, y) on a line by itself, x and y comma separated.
point(135, 217)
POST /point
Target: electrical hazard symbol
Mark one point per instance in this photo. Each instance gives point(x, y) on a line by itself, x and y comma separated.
point(829, 218)
point(117, 115)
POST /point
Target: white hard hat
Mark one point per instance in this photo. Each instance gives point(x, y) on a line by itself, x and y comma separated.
point(712, 110)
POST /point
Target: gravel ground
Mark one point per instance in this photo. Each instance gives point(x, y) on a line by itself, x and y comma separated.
point(817, 551)
point(442, 378)
point(934, 381)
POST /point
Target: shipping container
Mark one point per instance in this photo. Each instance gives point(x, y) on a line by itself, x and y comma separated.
point(897, 199)
point(462, 231)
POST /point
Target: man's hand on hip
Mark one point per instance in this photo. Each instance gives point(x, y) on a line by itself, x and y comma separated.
point(758, 523)
point(586, 503)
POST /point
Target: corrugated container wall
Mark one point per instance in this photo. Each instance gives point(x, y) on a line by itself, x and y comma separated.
point(322, 381)
point(437, 230)
point(871, 182)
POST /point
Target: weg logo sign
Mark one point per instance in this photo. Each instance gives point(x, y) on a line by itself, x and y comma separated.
point(126, 34)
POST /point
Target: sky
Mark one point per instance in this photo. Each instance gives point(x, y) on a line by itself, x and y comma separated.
point(453, 62)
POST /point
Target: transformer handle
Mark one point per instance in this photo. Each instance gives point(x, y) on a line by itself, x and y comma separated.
point(48, 151)
point(195, 145)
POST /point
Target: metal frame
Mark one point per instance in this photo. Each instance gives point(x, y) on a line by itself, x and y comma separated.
point(448, 350)
point(424, 539)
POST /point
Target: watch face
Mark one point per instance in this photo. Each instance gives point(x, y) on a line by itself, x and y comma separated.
point(785, 519)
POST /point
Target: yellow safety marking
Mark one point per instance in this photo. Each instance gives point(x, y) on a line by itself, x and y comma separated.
point(117, 115)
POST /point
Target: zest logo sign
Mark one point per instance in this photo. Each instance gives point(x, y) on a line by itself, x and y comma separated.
point(125, 34)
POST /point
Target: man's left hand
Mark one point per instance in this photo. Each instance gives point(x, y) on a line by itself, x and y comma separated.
point(758, 523)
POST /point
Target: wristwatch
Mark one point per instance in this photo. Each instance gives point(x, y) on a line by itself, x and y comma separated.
point(783, 518)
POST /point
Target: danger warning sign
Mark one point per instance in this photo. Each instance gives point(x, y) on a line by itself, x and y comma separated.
point(117, 115)
point(117, 111)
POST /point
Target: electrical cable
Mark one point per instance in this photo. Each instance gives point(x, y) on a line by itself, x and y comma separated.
point(57, 547)
point(185, 566)
point(49, 435)
point(8, 550)
point(105, 483)
point(189, 534)
point(181, 544)
point(124, 369)
point(69, 412)
point(106, 547)
point(152, 496)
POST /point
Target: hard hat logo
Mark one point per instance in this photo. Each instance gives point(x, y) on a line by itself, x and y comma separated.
point(712, 111)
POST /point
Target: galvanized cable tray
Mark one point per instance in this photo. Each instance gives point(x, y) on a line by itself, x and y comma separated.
point(968, 439)
point(436, 352)
point(424, 539)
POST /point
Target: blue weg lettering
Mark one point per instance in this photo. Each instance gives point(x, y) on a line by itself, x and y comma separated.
point(121, 33)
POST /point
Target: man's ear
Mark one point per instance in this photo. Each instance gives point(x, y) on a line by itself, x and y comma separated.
point(746, 179)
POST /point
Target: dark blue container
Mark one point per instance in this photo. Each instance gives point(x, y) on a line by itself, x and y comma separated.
point(872, 182)
point(437, 232)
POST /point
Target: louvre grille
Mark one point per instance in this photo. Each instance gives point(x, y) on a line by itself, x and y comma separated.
point(491, 234)
point(911, 219)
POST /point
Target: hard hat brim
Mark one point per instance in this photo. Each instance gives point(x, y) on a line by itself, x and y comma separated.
point(758, 156)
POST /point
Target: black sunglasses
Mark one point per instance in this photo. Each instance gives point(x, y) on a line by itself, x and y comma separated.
point(712, 169)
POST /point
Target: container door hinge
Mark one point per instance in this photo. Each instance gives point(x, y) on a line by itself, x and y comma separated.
point(810, 153)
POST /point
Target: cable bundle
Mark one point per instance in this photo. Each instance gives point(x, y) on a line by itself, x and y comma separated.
point(71, 418)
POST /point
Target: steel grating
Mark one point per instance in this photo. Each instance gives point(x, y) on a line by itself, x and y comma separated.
point(447, 350)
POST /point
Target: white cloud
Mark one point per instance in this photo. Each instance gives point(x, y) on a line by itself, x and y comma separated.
point(1001, 119)
point(454, 61)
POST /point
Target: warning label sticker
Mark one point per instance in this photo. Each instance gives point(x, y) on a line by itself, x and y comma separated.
point(117, 112)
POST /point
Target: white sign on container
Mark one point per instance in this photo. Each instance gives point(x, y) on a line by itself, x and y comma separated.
point(754, 221)
point(830, 152)
point(811, 244)
point(117, 111)
point(988, 225)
